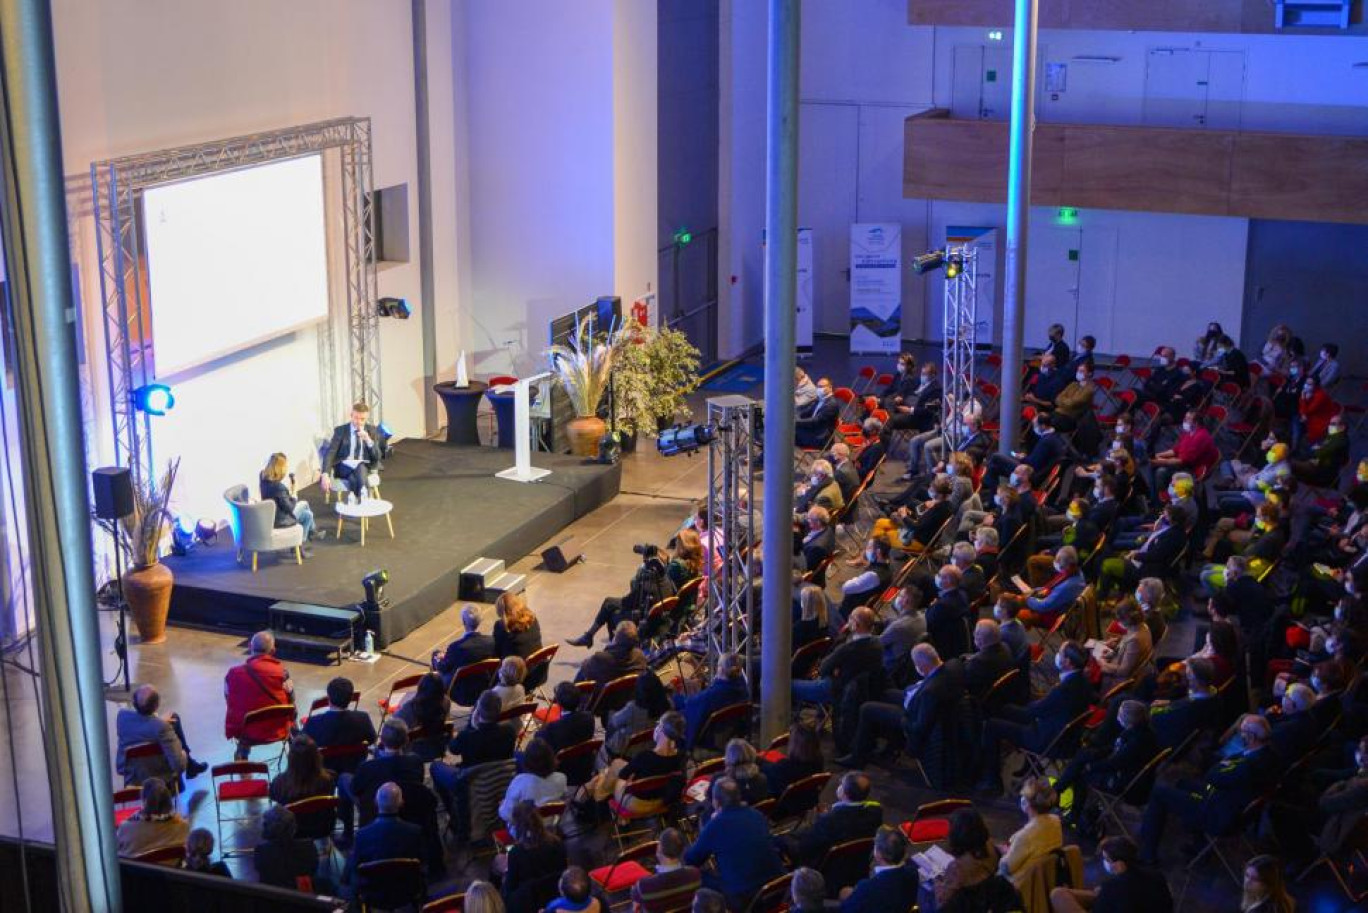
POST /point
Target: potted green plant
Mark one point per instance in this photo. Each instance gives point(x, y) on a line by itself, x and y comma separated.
point(654, 371)
point(147, 584)
point(582, 367)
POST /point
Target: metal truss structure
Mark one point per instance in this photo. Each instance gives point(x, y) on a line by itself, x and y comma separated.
point(117, 186)
point(960, 331)
point(732, 456)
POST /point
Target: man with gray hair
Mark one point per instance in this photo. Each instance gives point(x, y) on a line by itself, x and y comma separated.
point(845, 473)
point(387, 837)
point(1295, 728)
point(140, 724)
point(261, 681)
point(470, 647)
point(909, 719)
point(990, 660)
point(1113, 766)
point(821, 489)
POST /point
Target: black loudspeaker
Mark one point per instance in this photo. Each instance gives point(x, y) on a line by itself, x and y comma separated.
point(559, 557)
point(113, 492)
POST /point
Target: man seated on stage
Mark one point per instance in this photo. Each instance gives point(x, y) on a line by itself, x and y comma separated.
point(261, 681)
point(356, 450)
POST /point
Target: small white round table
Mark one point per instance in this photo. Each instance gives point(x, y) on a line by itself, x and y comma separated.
point(364, 511)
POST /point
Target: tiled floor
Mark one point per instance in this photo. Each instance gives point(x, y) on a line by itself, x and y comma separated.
point(657, 492)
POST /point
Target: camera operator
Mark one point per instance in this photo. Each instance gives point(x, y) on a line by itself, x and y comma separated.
point(650, 584)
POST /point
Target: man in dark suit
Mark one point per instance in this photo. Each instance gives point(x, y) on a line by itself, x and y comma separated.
point(873, 450)
point(737, 838)
point(893, 885)
point(356, 450)
point(920, 411)
point(1035, 726)
point(1174, 722)
point(1057, 348)
point(572, 727)
point(859, 654)
point(815, 426)
point(621, 657)
point(909, 718)
point(1295, 728)
point(853, 816)
point(1164, 380)
point(1113, 767)
point(947, 619)
point(387, 837)
point(1049, 381)
point(483, 740)
point(819, 542)
point(338, 725)
point(990, 660)
point(1049, 449)
point(727, 688)
point(470, 647)
point(393, 763)
point(1215, 804)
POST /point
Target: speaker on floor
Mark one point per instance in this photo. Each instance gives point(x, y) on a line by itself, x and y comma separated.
point(113, 492)
point(559, 557)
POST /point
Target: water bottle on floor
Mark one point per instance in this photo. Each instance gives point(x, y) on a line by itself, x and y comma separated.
point(370, 642)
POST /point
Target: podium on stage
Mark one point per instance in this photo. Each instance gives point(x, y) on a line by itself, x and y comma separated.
point(522, 469)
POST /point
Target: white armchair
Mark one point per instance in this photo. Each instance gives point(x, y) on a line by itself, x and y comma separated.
point(254, 529)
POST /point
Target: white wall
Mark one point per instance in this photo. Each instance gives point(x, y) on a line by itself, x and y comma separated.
point(561, 128)
point(143, 75)
point(862, 55)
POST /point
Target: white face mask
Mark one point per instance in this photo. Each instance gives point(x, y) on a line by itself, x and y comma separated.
point(1097, 494)
point(1166, 362)
point(950, 470)
point(1187, 426)
point(1335, 429)
point(1081, 377)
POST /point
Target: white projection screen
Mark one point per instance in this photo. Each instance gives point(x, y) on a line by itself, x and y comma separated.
point(235, 259)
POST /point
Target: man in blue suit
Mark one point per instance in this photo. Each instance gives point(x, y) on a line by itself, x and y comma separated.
point(729, 687)
point(1036, 725)
point(387, 837)
point(893, 884)
point(1049, 449)
point(815, 426)
point(738, 838)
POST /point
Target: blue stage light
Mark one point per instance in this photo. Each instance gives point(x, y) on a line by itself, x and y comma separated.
point(154, 399)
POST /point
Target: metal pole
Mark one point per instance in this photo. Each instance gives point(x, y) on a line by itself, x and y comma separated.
point(781, 257)
point(38, 261)
point(1018, 216)
point(431, 421)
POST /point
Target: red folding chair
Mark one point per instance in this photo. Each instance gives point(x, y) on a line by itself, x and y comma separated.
point(626, 870)
point(127, 803)
point(482, 671)
point(450, 903)
point(399, 691)
point(322, 703)
point(281, 715)
point(144, 750)
point(930, 823)
point(240, 784)
point(733, 716)
point(549, 812)
point(864, 377)
point(539, 669)
point(163, 855)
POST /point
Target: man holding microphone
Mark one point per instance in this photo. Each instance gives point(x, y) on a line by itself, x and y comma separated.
point(354, 453)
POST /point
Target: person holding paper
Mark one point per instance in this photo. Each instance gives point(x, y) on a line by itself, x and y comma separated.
point(355, 451)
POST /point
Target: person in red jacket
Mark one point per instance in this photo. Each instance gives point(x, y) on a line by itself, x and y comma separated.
point(1315, 409)
point(261, 681)
point(1194, 452)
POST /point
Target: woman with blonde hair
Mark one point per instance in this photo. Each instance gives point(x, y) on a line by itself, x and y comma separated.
point(1263, 890)
point(517, 632)
point(1042, 834)
point(483, 897)
point(277, 484)
point(509, 687)
point(813, 619)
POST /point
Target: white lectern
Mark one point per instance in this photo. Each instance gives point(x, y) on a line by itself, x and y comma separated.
point(523, 470)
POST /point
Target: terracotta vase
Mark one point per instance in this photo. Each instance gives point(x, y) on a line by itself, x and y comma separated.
point(148, 591)
point(584, 433)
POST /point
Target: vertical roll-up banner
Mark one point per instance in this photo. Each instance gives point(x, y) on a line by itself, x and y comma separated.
point(875, 288)
point(803, 299)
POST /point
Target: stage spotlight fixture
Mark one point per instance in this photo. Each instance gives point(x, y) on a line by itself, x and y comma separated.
point(206, 531)
point(684, 439)
point(154, 399)
point(182, 536)
point(928, 262)
point(394, 307)
point(374, 585)
point(954, 265)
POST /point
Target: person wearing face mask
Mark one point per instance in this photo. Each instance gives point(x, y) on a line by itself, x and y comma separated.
point(804, 390)
point(1274, 354)
point(1326, 458)
point(1326, 370)
point(1013, 514)
point(814, 426)
point(910, 718)
point(968, 437)
point(1294, 726)
point(1045, 603)
point(919, 410)
point(1205, 350)
point(920, 530)
point(903, 386)
point(1195, 452)
point(1250, 485)
point(1056, 346)
point(859, 654)
point(1262, 549)
point(1084, 355)
point(821, 490)
point(904, 632)
point(1075, 401)
point(1131, 531)
point(947, 618)
point(843, 469)
point(1079, 530)
point(1214, 804)
point(1162, 382)
point(1129, 885)
point(1231, 363)
point(861, 589)
point(1315, 411)
point(1048, 450)
point(1047, 384)
point(1034, 726)
point(1153, 558)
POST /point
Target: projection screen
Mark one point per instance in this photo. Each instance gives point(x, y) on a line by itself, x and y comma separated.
point(235, 259)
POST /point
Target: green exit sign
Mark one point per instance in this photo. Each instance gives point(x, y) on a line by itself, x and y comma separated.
point(1068, 215)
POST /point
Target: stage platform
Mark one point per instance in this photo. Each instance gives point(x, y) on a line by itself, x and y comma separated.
point(448, 510)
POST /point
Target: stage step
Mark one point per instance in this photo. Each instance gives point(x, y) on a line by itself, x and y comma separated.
point(505, 583)
point(477, 576)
